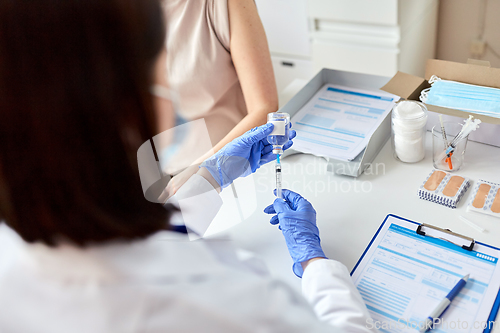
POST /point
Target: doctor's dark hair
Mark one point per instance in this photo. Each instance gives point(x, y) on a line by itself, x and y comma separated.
point(74, 108)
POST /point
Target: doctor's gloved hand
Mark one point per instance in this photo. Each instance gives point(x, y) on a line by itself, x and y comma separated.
point(243, 156)
point(297, 220)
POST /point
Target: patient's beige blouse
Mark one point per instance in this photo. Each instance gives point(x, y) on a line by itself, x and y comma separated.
point(199, 64)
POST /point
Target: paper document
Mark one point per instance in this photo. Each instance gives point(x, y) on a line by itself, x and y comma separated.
point(339, 121)
point(403, 276)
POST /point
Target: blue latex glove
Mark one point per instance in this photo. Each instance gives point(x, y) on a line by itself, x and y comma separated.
point(243, 155)
point(297, 220)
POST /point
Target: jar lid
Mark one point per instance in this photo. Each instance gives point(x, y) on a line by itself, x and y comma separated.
point(409, 110)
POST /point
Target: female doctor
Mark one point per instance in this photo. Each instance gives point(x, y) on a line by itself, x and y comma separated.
point(81, 250)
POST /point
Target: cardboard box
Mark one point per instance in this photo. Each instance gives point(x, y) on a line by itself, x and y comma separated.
point(409, 87)
point(378, 139)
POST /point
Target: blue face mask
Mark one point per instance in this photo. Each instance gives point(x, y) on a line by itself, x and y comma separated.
point(462, 96)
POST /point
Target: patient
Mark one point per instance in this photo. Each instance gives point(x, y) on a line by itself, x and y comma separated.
point(218, 62)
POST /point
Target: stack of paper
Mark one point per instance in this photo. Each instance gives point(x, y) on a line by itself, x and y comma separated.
point(339, 121)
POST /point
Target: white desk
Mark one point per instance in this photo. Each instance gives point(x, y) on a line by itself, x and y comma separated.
point(349, 213)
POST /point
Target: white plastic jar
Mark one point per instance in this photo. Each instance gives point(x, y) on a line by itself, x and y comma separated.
point(409, 120)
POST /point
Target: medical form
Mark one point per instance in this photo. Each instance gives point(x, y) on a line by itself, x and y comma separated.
point(402, 276)
point(339, 121)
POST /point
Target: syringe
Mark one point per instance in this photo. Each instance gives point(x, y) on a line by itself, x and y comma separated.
point(470, 125)
point(278, 177)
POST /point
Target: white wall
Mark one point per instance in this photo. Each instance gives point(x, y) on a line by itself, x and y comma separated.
point(461, 21)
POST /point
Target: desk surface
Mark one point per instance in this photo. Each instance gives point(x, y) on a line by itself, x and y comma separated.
point(349, 210)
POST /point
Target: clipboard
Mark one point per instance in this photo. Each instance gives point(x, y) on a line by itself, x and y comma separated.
point(383, 255)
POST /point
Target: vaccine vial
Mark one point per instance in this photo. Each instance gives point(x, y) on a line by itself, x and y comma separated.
point(279, 135)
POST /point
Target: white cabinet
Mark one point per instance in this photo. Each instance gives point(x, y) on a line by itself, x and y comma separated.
point(355, 47)
point(286, 25)
point(374, 37)
point(367, 36)
point(287, 29)
point(287, 69)
point(381, 12)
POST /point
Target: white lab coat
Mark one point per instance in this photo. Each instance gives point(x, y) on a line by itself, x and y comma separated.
point(166, 283)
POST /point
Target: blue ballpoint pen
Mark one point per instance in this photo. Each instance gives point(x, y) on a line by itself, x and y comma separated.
point(445, 303)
